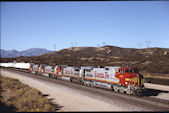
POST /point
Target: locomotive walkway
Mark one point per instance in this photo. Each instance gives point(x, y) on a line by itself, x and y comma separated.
point(76, 97)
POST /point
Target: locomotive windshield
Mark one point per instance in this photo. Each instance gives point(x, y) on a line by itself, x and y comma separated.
point(135, 70)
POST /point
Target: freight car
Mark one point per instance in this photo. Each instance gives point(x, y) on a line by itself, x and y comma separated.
point(121, 79)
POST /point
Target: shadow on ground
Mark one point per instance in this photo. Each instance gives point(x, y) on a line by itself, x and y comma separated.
point(5, 108)
point(152, 92)
point(57, 107)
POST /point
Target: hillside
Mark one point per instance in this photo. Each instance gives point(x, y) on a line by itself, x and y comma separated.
point(153, 60)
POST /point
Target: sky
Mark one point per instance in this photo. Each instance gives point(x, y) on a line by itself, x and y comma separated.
point(60, 25)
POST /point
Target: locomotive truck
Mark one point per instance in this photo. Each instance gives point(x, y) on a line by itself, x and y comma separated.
point(121, 79)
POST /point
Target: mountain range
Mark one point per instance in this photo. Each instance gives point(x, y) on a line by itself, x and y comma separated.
point(28, 52)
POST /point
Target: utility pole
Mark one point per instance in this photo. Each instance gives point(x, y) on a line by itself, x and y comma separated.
point(20, 56)
point(139, 45)
point(98, 45)
point(71, 44)
point(74, 44)
point(148, 43)
point(103, 43)
point(54, 46)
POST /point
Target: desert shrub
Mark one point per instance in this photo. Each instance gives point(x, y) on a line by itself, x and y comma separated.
point(25, 108)
point(18, 93)
point(21, 102)
point(48, 107)
point(24, 98)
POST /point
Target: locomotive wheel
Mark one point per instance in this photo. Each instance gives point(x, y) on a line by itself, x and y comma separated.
point(91, 85)
point(128, 92)
point(137, 93)
point(112, 88)
point(88, 84)
point(52, 76)
point(81, 82)
point(70, 79)
point(121, 90)
point(116, 89)
point(85, 83)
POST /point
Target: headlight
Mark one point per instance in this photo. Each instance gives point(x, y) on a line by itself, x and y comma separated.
point(127, 79)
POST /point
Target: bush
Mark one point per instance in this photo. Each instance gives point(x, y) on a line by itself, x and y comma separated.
point(24, 98)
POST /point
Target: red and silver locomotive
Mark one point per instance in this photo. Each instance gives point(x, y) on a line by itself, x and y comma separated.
point(120, 79)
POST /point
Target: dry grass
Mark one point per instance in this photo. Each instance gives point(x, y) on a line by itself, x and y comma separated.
point(24, 98)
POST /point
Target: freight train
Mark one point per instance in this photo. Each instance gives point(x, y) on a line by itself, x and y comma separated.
point(120, 79)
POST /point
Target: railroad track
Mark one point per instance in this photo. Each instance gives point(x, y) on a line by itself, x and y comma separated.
point(149, 103)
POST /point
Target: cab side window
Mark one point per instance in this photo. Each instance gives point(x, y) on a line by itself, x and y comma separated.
point(120, 71)
point(136, 70)
point(88, 70)
point(76, 69)
point(106, 68)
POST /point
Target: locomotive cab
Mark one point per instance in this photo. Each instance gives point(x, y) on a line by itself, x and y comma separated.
point(130, 78)
point(137, 78)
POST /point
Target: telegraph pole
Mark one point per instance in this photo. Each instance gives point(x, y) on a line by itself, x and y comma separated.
point(54, 46)
point(74, 44)
point(139, 45)
point(98, 45)
point(148, 43)
point(103, 43)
